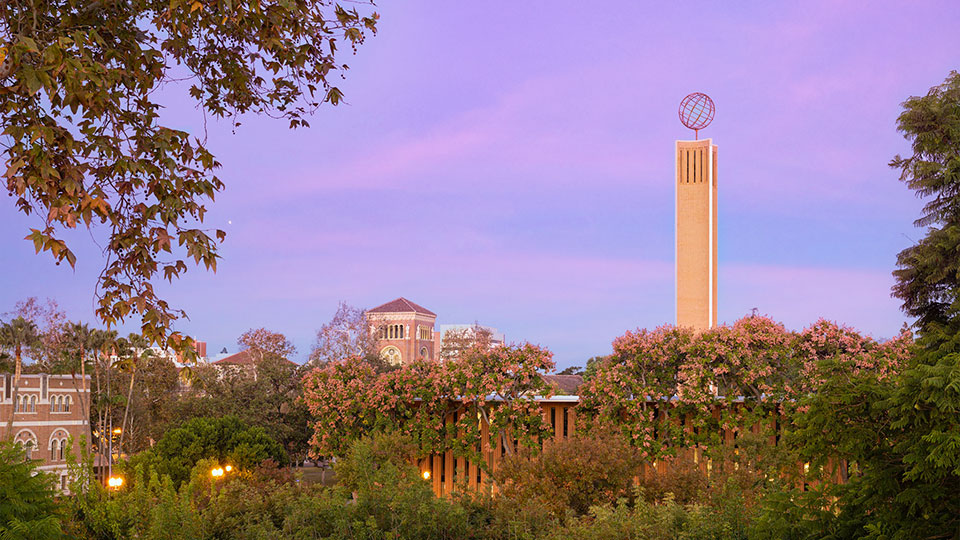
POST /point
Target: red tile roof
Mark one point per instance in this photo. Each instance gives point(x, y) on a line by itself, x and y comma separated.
point(564, 384)
point(242, 358)
point(401, 305)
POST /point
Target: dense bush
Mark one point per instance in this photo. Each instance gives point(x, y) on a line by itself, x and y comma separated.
point(225, 440)
point(668, 520)
point(27, 506)
point(571, 475)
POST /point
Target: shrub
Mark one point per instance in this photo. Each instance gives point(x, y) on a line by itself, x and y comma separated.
point(225, 440)
point(571, 475)
point(667, 520)
point(27, 506)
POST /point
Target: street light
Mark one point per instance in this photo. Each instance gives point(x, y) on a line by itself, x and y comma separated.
point(216, 472)
point(114, 482)
point(426, 475)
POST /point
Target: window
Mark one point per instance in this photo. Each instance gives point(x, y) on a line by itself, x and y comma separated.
point(392, 331)
point(63, 482)
point(53, 404)
point(425, 332)
point(53, 450)
point(43, 387)
point(29, 449)
point(391, 355)
point(66, 404)
point(63, 447)
point(33, 403)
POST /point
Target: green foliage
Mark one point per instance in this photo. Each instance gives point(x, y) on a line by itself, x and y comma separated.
point(884, 450)
point(437, 403)
point(226, 440)
point(901, 440)
point(665, 521)
point(571, 474)
point(928, 273)
point(389, 498)
point(84, 143)
point(27, 506)
point(268, 396)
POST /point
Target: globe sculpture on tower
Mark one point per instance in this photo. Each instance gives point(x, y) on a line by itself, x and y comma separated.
point(696, 189)
point(696, 112)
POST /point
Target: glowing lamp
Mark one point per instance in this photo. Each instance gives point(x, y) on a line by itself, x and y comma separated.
point(426, 475)
point(115, 482)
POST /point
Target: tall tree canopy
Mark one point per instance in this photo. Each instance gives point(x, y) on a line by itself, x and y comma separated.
point(928, 273)
point(84, 143)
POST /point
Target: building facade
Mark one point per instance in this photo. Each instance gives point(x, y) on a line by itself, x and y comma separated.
point(47, 413)
point(404, 331)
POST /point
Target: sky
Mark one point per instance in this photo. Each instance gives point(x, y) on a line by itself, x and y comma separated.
point(511, 163)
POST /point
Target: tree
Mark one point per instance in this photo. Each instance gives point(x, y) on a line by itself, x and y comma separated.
point(571, 370)
point(135, 356)
point(153, 404)
point(457, 341)
point(48, 353)
point(28, 509)
point(17, 335)
point(263, 343)
point(672, 388)
point(225, 439)
point(267, 395)
point(928, 273)
point(438, 404)
point(896, 430)
point(347, 335)
point(78, 339)
point(85, 145)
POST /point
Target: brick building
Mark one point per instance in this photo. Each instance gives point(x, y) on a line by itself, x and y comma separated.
point(404, 331)
point(48, 412)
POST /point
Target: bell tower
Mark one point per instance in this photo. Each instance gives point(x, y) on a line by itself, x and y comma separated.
point(696, 215)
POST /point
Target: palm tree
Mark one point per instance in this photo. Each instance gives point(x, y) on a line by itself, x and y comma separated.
point(18, 334)
point(139, 350)
point(103, 343)
point(79, 339)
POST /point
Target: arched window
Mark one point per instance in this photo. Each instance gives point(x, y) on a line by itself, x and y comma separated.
point(18, 406)
point(391, 355)
point(33, 403)
point(66, 404)
point(63, 447)
point(53, 450)
point(53, 403)
point(26, 441)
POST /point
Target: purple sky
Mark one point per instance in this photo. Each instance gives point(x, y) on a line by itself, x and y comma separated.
point(511, 163)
